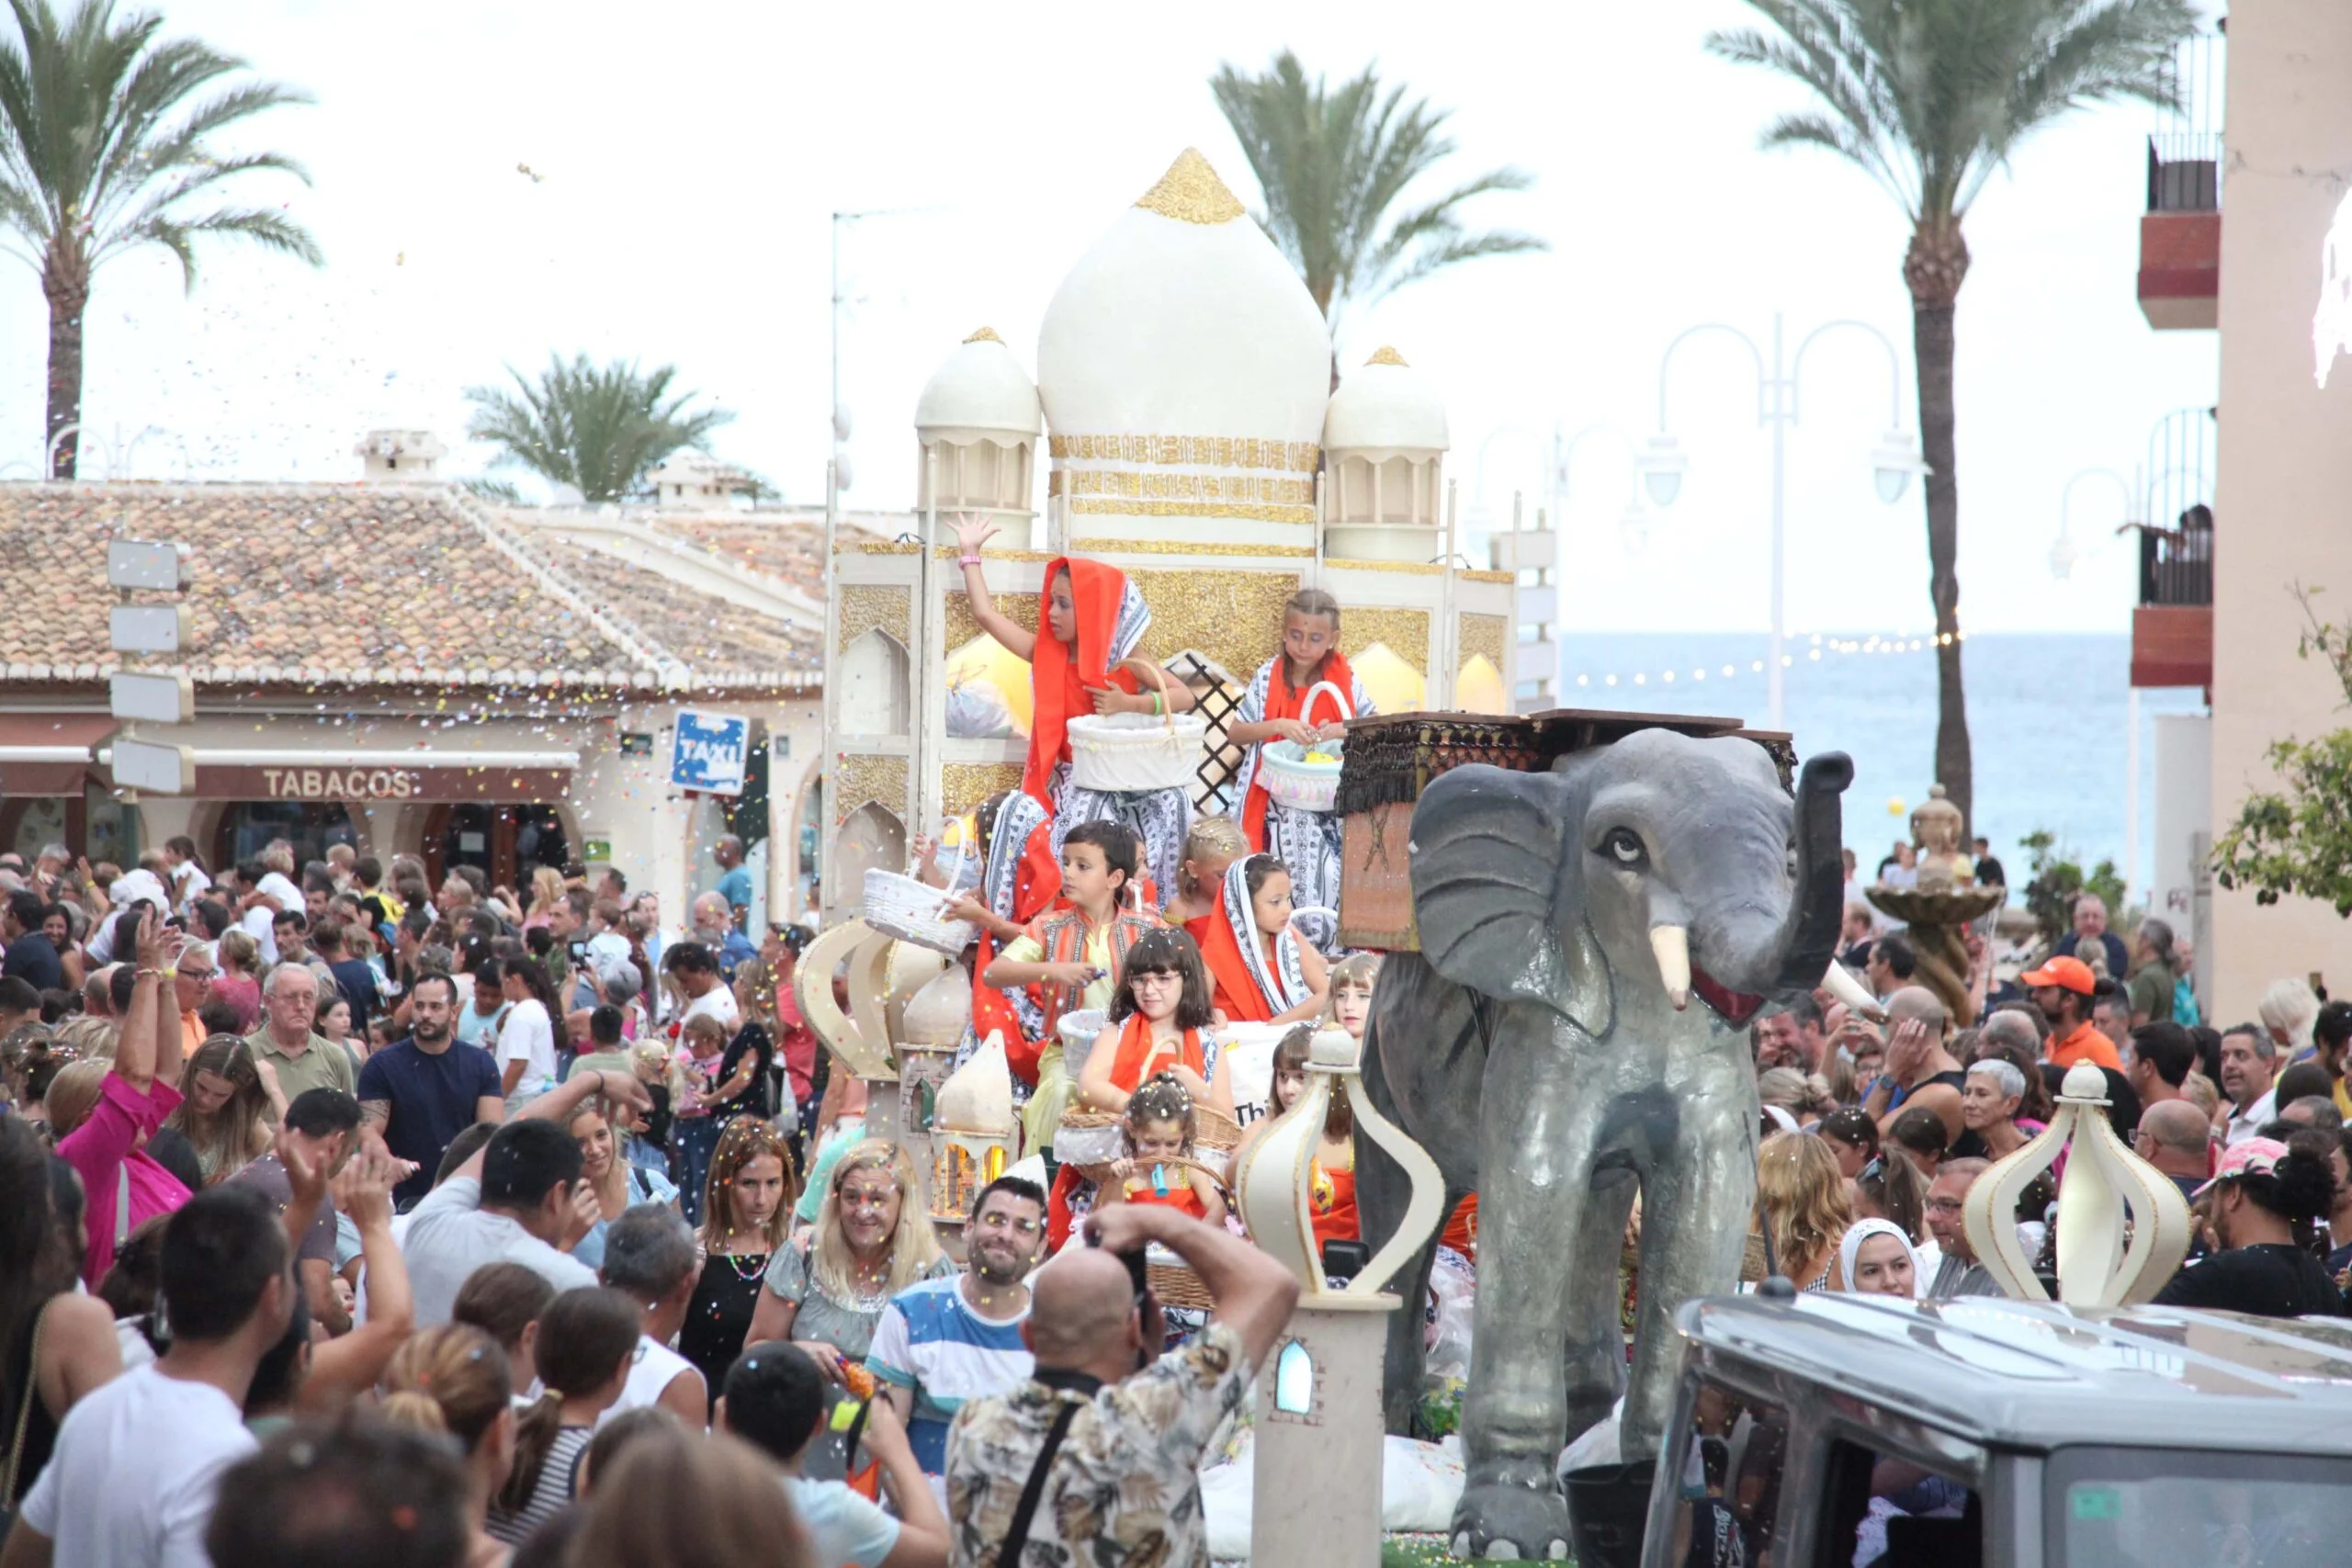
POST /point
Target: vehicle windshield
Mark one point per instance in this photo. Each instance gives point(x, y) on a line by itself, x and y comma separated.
point(2127, 1507)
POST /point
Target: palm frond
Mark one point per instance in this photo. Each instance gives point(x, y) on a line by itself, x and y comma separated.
point(1335, 163)
point(600, 430)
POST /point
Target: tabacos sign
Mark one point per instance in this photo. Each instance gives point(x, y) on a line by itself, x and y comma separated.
point(341, 784)
point(707, 751)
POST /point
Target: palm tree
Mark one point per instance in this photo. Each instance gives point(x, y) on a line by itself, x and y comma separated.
point(102, 150)
point(600, 432)
point(1928, 97)
point(1333, 161)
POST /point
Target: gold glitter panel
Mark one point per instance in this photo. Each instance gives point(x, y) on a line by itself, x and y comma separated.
point(1405, 633)
point(1189, 451)
point(871, 606)
point(1189, 192)
point(1233, 617)
point(1253, 513)
point(1381, 355)
point(1490, 577)
point(963, 785)
point(1181, 487)
point(987, 335)
point(858, 779)
point(1409, 567)
point(963, 625)
point(1483, 634)
point(1182, 547)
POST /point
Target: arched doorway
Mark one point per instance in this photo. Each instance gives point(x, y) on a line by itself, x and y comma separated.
point(246, 828)
point(506, 843)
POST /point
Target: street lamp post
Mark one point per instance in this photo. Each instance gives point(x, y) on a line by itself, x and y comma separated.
point(1895, 461)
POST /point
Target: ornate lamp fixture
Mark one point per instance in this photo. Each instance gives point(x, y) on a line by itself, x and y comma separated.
point(2105, 1182)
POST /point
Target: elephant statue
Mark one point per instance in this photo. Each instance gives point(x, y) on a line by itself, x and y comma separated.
point(1545, 1047)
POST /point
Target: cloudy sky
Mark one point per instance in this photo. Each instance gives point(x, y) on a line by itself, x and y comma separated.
point(689, 158)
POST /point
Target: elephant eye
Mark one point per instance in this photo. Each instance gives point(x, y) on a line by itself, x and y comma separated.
point(1624, 846)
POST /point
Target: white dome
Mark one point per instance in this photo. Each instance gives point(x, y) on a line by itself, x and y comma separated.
point(1184, 367)
point(1385, 405)
point(979, 387)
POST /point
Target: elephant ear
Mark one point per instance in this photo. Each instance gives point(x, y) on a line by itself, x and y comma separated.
point(1488, 899)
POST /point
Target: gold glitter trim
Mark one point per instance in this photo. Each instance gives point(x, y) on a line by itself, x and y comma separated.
point(1386, 356)
point(871, 606)
point(860, 780)
point(1179, 547)
point(963, 785)
point(1251, 511)
point(1189, 192)
point(1490, 577)
point(1234, 617)
point(986, 334)
point(1189, 451)
point(963, 625)
point(1483, 635)
point(1254, 488)
point(943, 552)
point(1410, 568)
point(1405, 633)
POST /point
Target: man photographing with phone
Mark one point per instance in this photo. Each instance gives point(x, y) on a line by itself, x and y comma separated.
point(1108, 1420)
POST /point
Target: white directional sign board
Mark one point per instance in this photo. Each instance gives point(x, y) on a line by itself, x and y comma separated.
point(146, 697)
point(154, 769)
point(134, 563)
point(149, 628)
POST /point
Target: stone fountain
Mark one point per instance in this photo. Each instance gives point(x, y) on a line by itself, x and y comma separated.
point(1938, 911)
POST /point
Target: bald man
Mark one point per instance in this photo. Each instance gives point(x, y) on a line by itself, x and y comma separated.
point(2176, 1138)
point(1142, 1420)
point(1918, 1070)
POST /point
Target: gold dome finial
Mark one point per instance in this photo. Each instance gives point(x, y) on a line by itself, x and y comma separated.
point(1385, 356)
point(986, 334)
point(1189, 192)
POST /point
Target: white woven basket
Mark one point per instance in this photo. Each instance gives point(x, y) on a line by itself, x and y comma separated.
point(1090, 1146)
point(1129, 753)
point(1078, 1031)
point(1293, 780)
point(912, 910)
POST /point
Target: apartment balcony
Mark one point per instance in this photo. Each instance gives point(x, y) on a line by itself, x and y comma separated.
point(2172, 627)
point(2181, 234)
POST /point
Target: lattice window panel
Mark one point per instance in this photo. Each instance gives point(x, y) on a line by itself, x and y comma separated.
point(1215, 701)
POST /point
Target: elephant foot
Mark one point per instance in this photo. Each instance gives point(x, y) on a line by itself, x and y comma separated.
point(1504, 1523)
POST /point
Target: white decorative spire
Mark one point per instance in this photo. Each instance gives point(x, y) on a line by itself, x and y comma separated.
point(2105, 1182)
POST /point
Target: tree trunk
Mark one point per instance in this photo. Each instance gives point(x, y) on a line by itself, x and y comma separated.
point(1934, 268)
point(65, 283)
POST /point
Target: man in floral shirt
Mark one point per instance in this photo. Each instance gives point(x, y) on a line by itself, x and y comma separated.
point(1124, 1487)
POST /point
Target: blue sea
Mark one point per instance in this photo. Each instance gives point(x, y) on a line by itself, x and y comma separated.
point(2046, 719)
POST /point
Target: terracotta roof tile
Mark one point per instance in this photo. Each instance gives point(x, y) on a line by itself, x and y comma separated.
point(352, 583)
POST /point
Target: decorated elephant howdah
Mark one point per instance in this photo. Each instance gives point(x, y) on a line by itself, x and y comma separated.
point(1594, 942)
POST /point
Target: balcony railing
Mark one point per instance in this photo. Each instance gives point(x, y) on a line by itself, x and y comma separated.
point(2185, 172)
point(2177, 568)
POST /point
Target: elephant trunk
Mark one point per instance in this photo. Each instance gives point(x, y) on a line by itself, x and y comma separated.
point(1816, 907)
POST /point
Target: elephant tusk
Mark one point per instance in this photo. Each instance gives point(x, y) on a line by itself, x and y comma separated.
point(1672, 945)
point(1840, 983)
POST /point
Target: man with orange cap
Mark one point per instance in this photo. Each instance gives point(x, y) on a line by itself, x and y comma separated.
point(2062, 989)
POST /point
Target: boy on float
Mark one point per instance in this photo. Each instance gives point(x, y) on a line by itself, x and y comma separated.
point(1020, 880)
point(1073, 957)
point(1282, 705)
point(1079, 663)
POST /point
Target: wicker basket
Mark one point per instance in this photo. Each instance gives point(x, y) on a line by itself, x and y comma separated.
point(1294, 780)
point(1078, 1031)
point(1135, 753)
point(1090, 1137)
point(912, 911)
point(1173, 1283)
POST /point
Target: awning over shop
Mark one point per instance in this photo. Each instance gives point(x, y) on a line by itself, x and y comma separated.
point(49, 753)
point(364, 777)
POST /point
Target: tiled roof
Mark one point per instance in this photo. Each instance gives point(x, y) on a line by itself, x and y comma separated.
point(704, 632)
point(350, 585)
point(780, 545)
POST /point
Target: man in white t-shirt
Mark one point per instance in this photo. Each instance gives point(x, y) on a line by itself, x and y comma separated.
point(518, 1199)
point(775, 1399)
point(649, 1258)
point(131, 1481)
point(696, 968)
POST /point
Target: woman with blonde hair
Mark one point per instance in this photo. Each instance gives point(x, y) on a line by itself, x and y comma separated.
point(746, 1215)
point(826, 1291)
point(617, 1183)
point(546, 896)
point(226, 1108)
point(239, 980)
point(1801, 1206)
point(454, 1380)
